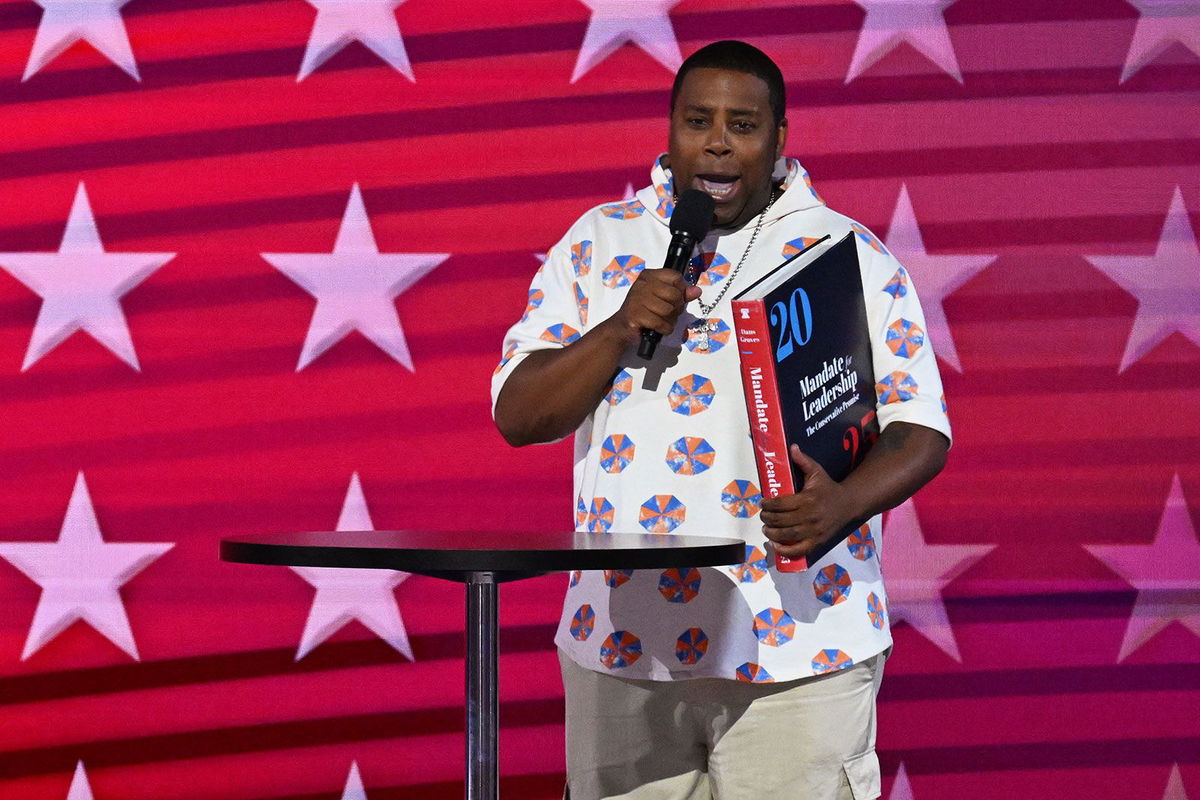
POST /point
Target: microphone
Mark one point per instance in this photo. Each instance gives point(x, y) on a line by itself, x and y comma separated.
point(690, 222)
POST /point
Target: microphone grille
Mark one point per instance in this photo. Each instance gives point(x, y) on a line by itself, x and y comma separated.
point(693, 214)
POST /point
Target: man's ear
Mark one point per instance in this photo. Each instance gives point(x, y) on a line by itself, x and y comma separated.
point(780, 137)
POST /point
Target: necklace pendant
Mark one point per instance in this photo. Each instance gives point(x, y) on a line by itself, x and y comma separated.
point(698, 332)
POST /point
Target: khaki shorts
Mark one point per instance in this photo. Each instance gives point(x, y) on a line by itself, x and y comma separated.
point(708, 738)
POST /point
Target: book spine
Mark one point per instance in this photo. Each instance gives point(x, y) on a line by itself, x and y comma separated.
point(761, 388)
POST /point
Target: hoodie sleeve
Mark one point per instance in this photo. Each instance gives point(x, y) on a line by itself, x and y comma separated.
point(908, 387)
point(555, 311)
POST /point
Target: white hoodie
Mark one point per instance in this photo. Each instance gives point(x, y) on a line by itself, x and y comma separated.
point(668, 450)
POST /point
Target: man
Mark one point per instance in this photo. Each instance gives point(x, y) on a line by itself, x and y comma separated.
point(739, 682)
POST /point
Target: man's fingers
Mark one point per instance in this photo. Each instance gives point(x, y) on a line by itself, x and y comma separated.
point(656, 300)
point(659, 307)
point(807, 466)
point(787, 517)
point(792, 530)
point(667, 291)
point(792, 537)
point(661, 277)
point(782, 504)
point(669, 288)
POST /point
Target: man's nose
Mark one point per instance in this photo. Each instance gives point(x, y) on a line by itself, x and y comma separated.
point(718, 143)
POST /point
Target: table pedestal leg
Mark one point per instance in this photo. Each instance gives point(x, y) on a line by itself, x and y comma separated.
point(482, 714)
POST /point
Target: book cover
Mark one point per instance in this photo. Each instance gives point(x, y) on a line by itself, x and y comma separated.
point(807, 371)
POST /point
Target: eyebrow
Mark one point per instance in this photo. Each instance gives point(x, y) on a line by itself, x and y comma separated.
point(736, 112)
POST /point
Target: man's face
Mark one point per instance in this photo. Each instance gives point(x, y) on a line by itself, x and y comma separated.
point(724, 141)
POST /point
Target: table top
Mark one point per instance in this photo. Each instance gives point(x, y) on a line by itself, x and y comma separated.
point(451, 553)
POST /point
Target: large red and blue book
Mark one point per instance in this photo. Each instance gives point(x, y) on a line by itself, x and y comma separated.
point(807, 372)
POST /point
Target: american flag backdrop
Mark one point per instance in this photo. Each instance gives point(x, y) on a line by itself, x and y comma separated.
point(256, 261)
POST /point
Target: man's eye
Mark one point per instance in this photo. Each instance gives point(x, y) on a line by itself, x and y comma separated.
point(743, 126)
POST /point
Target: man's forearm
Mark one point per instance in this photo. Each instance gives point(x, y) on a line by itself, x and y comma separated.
point(906, 457)
point(551, 392)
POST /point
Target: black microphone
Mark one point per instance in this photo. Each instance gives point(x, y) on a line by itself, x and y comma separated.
point(690, 222)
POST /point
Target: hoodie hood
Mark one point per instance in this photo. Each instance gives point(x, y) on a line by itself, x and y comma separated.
point(798, 192)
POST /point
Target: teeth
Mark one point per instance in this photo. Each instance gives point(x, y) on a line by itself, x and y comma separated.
point(715, 189)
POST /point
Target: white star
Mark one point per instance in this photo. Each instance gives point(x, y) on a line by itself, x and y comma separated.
point(81, 286)
point(356, 286)
point(81, 576)
point(1166, 574)
point(1175, 790)
point(65, 22)
point(80, 788)
point(901, 788)
point(343, 595)
point(915, 574)
point(1161, 24)
point(645, 23)
point(340, 22)
point(937, 277)
point(1166, 285)
point(354, 786)
point(890, 22)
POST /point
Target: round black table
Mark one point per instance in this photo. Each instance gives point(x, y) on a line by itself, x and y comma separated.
point(482, 560)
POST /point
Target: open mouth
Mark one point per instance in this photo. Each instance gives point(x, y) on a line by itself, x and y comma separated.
point(719, 187)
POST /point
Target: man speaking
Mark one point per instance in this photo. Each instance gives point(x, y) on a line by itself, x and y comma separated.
point(741, 682)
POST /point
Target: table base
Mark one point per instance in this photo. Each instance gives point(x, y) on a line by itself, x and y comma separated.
point(483, 760)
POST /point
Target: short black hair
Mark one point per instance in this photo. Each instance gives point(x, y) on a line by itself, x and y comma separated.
point(739, 57)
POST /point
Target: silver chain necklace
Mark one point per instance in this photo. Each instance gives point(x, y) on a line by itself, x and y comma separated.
point(699, 330)
point(708, 309)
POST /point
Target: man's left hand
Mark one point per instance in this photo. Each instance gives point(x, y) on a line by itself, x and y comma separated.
point(796, 523)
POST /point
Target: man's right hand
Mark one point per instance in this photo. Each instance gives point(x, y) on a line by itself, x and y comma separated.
point(552, 391)
point(654, 302)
